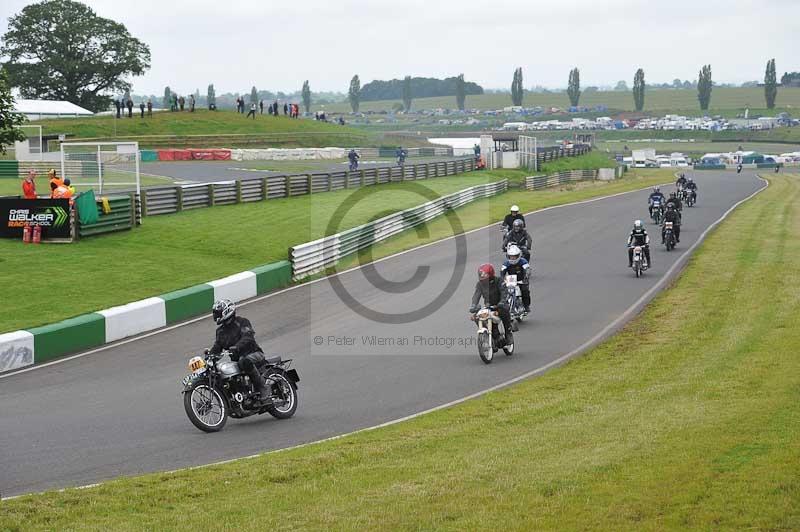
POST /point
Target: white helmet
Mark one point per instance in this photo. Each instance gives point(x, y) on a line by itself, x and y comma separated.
point(637, 224)
point(513, 253)
point(514, 208)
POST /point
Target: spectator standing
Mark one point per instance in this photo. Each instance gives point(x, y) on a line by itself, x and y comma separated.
point(130, 108)
point(261, 106)
point(181, 102)
point(285, 109)
point(276, 108)
point(149, 108)
point(191, 103)
point(252, 111)
point(29, 185)
point(316, 115)
point(141, 108)
point(174, 102)
point(118, 105)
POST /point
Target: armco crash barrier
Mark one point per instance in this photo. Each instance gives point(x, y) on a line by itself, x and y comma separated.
point(312, 257)
point(42, 344)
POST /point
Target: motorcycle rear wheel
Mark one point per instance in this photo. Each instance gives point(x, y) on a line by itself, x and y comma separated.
point(285, 391)
point(206, 407)
point(484, 348)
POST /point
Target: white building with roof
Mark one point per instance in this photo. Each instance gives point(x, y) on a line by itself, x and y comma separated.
point(41, 109)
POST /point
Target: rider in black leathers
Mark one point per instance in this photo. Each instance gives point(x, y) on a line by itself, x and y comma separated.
point(681, 181)
point(691, 186)
point(675, 202)
point(493, 291)
point(508, 221)
point(639, 237)
point(519, 236)
point(236, 334)
point(671, 216)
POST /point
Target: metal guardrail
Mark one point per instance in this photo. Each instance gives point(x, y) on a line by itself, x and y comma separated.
point(316, 256)
point(543, 181)
point(551, 153)
point(170, 199)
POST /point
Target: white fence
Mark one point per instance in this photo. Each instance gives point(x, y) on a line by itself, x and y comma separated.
point(323, 253)
point(569, 176)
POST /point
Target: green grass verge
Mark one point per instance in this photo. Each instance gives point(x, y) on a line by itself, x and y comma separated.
point(590, 161)
point(651, 430)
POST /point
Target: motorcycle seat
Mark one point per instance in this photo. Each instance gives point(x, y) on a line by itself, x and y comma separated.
point(272, 360)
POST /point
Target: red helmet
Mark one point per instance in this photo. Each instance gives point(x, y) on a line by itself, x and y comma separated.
point(485, 271)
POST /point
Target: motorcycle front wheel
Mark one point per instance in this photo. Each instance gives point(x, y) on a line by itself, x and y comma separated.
point(485, 348)
point(206, 407)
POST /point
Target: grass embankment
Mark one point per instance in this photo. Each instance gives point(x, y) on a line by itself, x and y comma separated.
point(590, 161)
point(178, 250)
point(660, 101)
point(687, 419)
point(220, 126)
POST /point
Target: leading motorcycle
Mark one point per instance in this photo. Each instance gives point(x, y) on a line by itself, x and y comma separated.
point(639, 264)
point(215, 390)
point(656, 212)
point(490, 334)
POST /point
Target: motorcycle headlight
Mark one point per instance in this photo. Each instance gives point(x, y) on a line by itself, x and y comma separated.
point(196, 364)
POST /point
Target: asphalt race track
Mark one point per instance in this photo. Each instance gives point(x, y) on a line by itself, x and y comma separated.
point(119, 411)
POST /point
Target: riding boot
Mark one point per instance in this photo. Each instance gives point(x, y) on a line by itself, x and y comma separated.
point(258, 383)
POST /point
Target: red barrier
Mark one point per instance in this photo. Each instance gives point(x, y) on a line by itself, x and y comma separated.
point(194, 154)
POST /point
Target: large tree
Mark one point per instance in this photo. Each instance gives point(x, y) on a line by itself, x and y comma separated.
point(9, 120)
point(306, 93)
point(638, 90)
point(61, 50)
point(704, 85)
point(461, 93)
point(770, 84)
point(574, 87)
point(407, 94)
point(354, 93)
point(517, 92)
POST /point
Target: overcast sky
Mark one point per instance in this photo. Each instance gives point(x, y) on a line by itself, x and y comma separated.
point(236, 44)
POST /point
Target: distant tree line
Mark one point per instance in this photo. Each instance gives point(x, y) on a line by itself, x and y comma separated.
point(420, 88)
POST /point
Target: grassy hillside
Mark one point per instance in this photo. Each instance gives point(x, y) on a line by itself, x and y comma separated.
point(656, 100)
point(153, 130)
point(652, 430)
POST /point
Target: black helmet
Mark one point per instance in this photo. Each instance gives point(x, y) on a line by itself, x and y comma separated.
point(223, 310)
point(518, 225)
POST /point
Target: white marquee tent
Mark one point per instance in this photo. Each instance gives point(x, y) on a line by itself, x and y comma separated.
point(41, 109)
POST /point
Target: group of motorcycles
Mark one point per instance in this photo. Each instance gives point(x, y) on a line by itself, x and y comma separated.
point(685, 196)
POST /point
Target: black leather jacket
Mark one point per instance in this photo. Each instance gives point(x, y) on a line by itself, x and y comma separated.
point(493, 292)
point(237, 333)
point(508, 221)
point(521, 239)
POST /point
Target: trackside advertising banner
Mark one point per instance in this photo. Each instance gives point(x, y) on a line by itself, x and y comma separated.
point(51, 214)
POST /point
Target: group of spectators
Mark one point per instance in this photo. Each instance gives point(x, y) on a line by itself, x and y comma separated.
point(120, 106)
point(178, 103)
point(292, 110)
point(59, 188)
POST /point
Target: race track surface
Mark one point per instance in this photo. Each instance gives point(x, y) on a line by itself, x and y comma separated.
point(119, 411)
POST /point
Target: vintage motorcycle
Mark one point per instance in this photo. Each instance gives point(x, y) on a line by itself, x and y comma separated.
point(490, 334)
point(514, 298)
point(669, 236)
point(657, 212)
point(215, 390)
point(639, 263)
